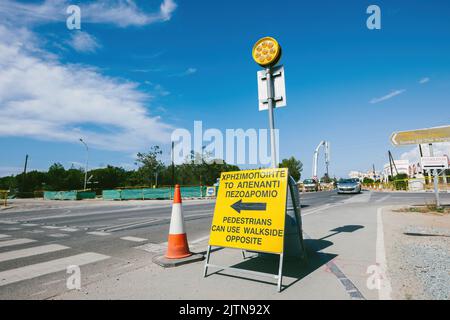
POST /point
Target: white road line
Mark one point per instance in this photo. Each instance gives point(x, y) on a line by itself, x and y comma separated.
point(199, 240)
point(58, 235)
point(50, 227)
point(155, 220)
point(29, 224)
point(35, 231)
point(17, 254)
point(15, 242)
point(99, 233)
point(65, 215)
point(53, 282)
point(44, 268)
point(383, 199)
point(129, 225)
point(321, 208)
point(70, 229)
point(38, 293)
point(7, 222)
point(134, 239)
point(11, 229)
point(2, 236)
point(385, 289)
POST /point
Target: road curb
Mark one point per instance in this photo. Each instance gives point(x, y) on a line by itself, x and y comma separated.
point(6, 208)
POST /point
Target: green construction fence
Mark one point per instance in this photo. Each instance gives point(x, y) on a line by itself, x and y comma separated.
point(68, 195)
point(155, 193)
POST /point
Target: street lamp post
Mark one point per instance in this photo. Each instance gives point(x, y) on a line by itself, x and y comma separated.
point(87, 161)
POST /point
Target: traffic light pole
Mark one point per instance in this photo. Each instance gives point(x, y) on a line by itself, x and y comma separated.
point(270, 103)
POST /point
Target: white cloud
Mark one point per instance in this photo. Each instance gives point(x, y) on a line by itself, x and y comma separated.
point(439, 149)
point(8, 171)
point(424, 80)
point(122, 13)
point(188, 72)
point(83, 42)
point(388, 96)
point(44, 99)
point(159, 89)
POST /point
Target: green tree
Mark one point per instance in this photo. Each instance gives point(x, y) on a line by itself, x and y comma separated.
point(109, 177)
point(295, 167)
point(150, 165)
point(368, 181)
point(55, 176)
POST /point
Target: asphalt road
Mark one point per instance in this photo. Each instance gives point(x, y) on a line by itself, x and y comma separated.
point(106, 239)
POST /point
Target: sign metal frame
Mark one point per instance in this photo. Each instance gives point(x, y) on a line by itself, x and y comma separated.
point(279, 276)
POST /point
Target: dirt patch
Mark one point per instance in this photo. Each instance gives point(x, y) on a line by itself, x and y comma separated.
point(431, 209)
point(418, 251)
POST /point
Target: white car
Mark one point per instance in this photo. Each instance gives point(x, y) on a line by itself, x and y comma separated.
point(348, 186)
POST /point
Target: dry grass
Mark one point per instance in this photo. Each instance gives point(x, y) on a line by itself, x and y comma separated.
point(430, 208)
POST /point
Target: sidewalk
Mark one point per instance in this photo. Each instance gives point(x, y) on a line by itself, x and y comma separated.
point(340, 248)
point(187, 282)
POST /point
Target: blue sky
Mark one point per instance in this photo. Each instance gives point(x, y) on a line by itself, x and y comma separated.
point(139, 69)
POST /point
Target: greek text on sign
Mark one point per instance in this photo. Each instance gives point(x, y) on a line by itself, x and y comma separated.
point(434, 162)
point(430, 135)
point(250, 210)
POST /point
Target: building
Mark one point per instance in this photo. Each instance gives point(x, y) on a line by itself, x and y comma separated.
point(402, 167)
point(361, 175)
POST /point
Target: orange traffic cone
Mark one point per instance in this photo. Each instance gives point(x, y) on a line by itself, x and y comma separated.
point(177, 247)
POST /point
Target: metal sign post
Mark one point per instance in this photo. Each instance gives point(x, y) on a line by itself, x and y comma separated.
point(270, 97)
point(436, 179)
point(267, 52)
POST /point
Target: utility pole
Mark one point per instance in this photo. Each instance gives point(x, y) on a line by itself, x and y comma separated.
point(392, 163)
point(173, 166)
point(24, 173)
point(87, 161)
point(374, 173)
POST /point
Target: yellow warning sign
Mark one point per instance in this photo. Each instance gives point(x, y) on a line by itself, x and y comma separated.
point(250, 210)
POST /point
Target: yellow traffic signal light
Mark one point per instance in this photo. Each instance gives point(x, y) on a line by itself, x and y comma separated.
point(266, 52)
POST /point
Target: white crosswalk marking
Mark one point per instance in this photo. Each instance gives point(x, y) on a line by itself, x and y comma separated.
point(15, 242)
point(134, 239)
point(58, 235)
point(29, 224)
point(69, 229)
point(35, 231)
point(50, 227)
point(7, 222)
point(44, 268)
point(2, 236)
point(22, 253)
point(99, 233)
